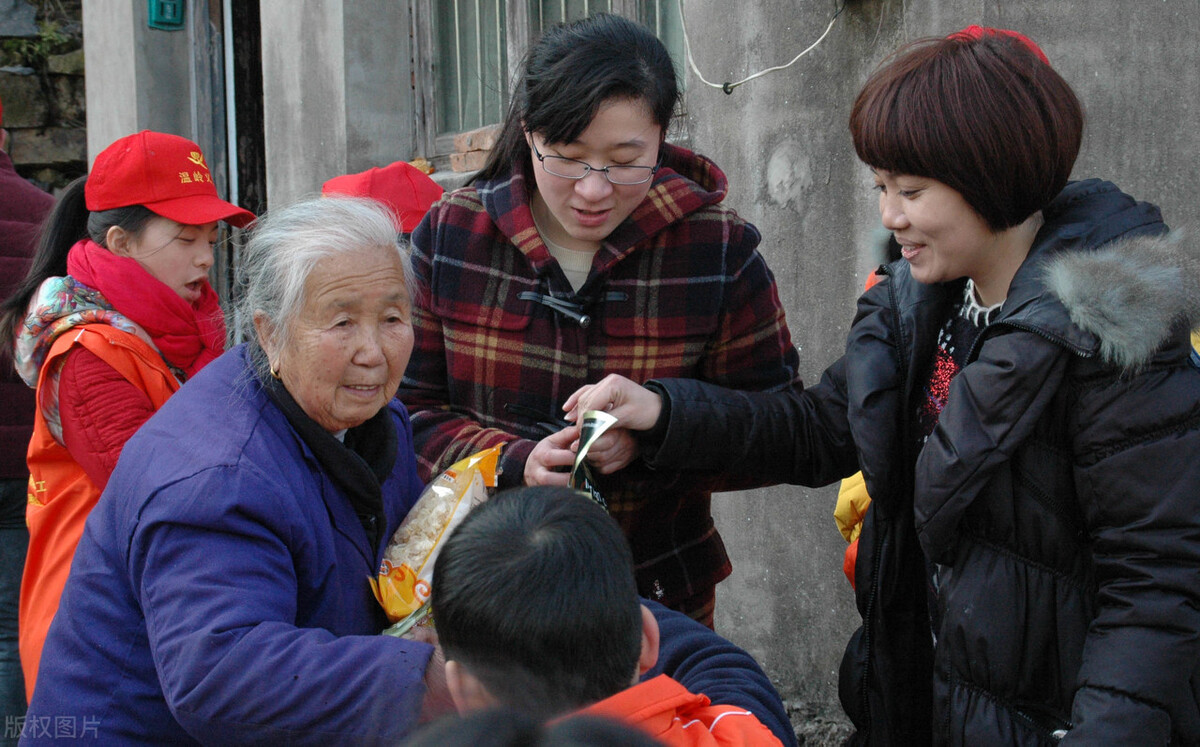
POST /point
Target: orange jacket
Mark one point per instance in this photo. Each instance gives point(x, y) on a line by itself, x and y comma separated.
point(61, 495)
point(665, 710)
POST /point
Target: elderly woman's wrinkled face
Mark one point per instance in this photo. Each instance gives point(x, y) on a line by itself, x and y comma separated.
point(352, 340)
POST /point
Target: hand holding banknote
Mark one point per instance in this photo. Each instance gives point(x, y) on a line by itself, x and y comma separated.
point(634, 406)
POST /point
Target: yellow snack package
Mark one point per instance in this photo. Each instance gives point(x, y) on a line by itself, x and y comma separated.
point(403, 584)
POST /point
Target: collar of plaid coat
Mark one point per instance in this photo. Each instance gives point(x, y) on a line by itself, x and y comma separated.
point(686, 183)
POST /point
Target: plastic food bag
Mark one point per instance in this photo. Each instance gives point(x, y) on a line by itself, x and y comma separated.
point(403, 584)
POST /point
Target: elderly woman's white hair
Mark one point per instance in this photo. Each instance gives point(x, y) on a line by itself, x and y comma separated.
point(287, 243)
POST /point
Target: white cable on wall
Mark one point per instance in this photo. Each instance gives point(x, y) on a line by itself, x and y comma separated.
point(728, 87)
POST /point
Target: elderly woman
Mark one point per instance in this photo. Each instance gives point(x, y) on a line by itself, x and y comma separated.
point(219, 593)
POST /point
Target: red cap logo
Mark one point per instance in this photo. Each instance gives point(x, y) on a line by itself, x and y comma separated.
point(165, 173)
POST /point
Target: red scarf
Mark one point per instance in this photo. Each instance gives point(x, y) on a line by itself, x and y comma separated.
point(187, 335)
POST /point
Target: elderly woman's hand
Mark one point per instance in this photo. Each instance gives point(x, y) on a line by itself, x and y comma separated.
point(634, 406)
point(552, 453)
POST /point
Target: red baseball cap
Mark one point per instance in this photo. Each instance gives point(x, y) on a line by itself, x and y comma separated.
point(978, 32)
point(404, 188)
point(164, 173)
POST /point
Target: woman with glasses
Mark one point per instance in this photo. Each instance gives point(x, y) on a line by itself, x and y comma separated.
point(587, 245)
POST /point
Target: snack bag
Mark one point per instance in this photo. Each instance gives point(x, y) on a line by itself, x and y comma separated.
point(402, 586)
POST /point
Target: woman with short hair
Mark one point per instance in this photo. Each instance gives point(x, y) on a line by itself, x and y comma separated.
point(1019, 396)
point(220, 592)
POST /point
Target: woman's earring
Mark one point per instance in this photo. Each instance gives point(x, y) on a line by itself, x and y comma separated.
point(274, 372)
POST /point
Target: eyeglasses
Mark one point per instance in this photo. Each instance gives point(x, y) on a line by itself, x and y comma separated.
point(569, 168)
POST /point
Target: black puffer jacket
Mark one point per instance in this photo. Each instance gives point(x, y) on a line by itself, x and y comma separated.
point(1060, 491)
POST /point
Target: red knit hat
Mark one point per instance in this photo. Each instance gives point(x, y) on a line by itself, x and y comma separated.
point(978, 32)
point(404, 188)
point(165, 173)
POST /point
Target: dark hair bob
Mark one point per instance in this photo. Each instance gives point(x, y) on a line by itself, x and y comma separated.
point(985, 116)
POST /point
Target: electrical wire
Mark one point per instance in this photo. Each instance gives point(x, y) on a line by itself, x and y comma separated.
point(728, 87)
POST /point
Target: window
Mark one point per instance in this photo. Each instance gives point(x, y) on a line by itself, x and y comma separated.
point(468, 52)
point(471, 76)
point(662, 17)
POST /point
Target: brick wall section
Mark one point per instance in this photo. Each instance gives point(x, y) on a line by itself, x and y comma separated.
point(471, 148)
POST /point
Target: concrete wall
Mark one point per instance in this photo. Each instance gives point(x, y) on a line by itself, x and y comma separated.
point(337, 90)
point(783, 141)
point(138, 77)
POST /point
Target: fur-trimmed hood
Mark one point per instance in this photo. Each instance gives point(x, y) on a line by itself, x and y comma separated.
point(1131, 295)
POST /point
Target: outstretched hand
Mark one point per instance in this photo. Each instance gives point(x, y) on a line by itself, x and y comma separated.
point(634, 406)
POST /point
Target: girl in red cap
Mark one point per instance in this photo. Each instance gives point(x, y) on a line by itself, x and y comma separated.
point(1018, 394)
point(115, 314)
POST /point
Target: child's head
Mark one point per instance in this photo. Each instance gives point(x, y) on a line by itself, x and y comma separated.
point(504, 727)
point(571, 71)
point(981, 111)
point(534, 599)
point(149, 196)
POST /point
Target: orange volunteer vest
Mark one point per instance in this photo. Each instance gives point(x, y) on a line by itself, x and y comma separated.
point(61, 495)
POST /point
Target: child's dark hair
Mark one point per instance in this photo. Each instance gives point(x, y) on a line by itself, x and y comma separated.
point(67, 223)
point(570, 72)
point(985, 116)
point(534, 594)
point(504, 727)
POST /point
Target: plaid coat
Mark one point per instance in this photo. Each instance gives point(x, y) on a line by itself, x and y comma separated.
point(677, 290)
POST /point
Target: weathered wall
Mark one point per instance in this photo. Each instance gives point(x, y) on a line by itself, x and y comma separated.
point(47, 139)
point(42, 88)
point(303, 97)
point(783, 141)
point(337, 90)
point(137, 77)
